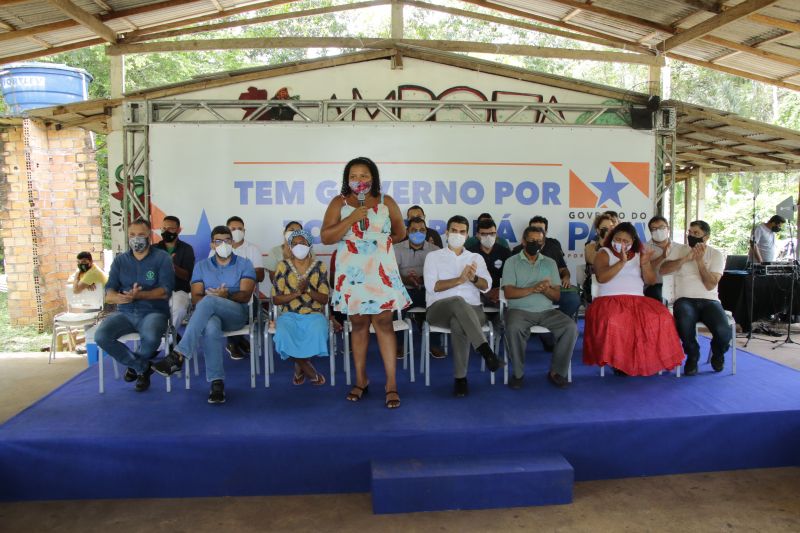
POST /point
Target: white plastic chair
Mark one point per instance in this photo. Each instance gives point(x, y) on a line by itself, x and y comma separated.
point(427, 329)
point(398, 324)
point(269, 334)
point(534, 330)
point(134, 338)
point(249, 329)
point(82, 311)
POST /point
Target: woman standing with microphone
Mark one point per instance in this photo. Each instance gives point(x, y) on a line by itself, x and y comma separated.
point(367, 288)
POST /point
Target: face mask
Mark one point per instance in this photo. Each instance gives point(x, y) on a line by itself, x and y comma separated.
point(300, 251)
point(456, 240)
point(660, 235)
point(692, 240)
point(416, 237)
point(237, 235)
point(488, 241)
point(776, 229)
point(619, 247)
point(360, 187)
point(168, 236)
point(224, 250)
point(138, 244)
point(84, 268)
point(532, 248)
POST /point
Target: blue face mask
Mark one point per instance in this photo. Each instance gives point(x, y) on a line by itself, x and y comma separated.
point(416, 238)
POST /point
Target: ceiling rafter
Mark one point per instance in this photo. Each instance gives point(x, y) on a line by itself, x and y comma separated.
point(84, 18)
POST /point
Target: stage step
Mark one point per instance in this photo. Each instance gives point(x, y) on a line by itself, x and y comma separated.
point(450, 483)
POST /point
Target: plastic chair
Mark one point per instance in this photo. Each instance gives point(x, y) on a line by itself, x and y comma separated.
point(269, 334)
point(399, 324)
point(82, 311)
point(534, 330)
point(250, 329)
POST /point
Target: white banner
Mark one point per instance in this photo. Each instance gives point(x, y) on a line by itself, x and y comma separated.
point(271, 173)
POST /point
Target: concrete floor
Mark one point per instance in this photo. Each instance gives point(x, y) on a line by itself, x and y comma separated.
point(748, 500)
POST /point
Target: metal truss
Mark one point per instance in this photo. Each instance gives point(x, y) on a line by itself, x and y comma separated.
point(135, 174)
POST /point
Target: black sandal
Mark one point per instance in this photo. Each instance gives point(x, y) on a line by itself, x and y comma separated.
point(392, 404)
point(353, 397)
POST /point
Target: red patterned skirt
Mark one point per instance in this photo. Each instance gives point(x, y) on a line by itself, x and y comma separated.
point(634, 334)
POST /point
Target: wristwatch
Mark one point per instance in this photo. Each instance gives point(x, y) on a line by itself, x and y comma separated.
point(475, 279)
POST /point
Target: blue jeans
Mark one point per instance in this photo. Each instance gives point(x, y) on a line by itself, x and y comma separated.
point(688, 312)
point(150, 327)
point(212, 315)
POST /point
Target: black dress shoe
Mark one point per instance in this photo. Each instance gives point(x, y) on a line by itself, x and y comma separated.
point(460, 388)
point(558, 380)
point(130, 375)
point(143, 381)
point(717, 362)
point(515, 382)
point(493, 363)
point(690, 368)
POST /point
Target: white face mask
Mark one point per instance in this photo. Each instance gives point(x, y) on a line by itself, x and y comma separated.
point(487, 241)
point(660, 235)
point(620, 248)
point(238, 235)
point(300, 251)
point(224, 250)
point(456, 240)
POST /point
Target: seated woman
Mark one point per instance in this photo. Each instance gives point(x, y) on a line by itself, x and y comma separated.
point(301, 291)
point(634, 334)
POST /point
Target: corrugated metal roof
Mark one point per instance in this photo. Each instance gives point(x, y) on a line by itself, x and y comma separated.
point(631, 20)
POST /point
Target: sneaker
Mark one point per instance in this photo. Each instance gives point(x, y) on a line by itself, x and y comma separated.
point(172, 363)
point(235, 352)
point(217, 394)
point(717, 362)
point(515, 382)
point(130, 375)
point(460, 388)
point(438, 353)
point(143, 381)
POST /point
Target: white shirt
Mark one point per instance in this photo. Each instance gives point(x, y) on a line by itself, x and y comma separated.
point(445, 264)
point(658, 252)
point(688, 283)
point(764, 239)
point(628, 281)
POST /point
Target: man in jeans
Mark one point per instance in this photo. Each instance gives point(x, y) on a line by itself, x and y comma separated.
point(698, 269)
point(222, 286)
point(140, 283)
point(531, 285)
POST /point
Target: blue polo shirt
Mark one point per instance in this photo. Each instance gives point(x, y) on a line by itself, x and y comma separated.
point(151, 272)
point(212, 275)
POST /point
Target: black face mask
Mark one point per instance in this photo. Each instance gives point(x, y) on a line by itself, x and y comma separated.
point(168, 236)
point(692, 240)
point(776, 229)
point(83, 267)
point(532, 248)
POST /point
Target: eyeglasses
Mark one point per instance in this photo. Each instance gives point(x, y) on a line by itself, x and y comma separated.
point(217, 242)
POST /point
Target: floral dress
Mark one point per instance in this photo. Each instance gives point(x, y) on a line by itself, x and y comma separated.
point(301, 328)
point(367, 278)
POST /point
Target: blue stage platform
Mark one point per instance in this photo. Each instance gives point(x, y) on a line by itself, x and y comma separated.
point(76, 443)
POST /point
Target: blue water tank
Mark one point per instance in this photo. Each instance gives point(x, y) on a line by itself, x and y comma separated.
point(31, 85)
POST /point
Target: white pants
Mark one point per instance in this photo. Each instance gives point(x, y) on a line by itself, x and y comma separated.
point(179, 306)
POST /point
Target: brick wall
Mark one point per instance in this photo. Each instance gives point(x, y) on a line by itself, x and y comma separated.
point(49, 211)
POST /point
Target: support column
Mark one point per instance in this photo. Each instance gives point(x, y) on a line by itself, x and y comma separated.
point(687, 204)
point(700, 196)
point(654, 80)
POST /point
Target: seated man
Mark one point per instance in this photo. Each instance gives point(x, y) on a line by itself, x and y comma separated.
point(698, 269)
point(88, 276)
point(661, 245)
point(411, 254)
point(454, 280)
point(140, 283)
point(570, 299)
point(183, 262)
point(474, 241)
point(222, 286)
point(431, 235)
point(494, 255)
point(530, 291)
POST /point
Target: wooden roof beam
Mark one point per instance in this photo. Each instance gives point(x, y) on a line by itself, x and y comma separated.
point(366, 42)
point(734, 71)
point(591, 8)
point(737, 121)
point(730, 149)
point(715, 132)
point(704, 28)
point(772, 56)
point(787, 25)
point(84, 18)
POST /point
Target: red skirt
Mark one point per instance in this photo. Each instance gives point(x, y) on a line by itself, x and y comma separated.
point(634, 334)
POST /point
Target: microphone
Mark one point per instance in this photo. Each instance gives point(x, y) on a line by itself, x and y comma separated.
point(362, 224)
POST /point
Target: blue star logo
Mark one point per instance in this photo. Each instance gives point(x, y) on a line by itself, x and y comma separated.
point(200, 241)
point(609, 189)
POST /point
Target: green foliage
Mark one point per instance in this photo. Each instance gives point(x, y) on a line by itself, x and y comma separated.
point(18, 339)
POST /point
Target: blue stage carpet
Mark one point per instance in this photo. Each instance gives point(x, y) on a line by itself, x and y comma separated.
point(76, 443)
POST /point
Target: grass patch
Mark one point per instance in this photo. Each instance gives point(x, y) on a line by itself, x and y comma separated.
point(18, 339)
